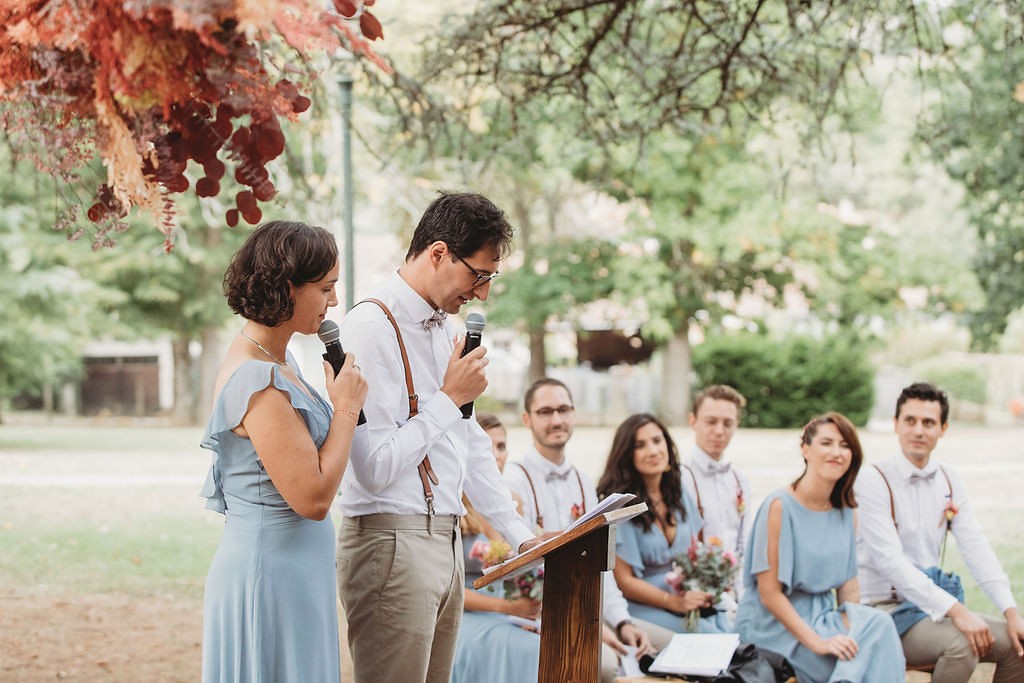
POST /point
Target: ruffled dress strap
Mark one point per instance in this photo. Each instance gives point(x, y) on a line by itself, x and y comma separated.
point(758, 551)
point(232, 404)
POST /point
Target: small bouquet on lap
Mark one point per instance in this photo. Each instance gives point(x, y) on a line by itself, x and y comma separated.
point(529, 585)
point(705, 566)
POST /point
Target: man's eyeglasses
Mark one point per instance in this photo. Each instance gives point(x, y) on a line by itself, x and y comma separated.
point(563, 411)
point(481, 278)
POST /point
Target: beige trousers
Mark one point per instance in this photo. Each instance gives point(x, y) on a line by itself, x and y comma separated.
point(942, 644)
point(400, 579)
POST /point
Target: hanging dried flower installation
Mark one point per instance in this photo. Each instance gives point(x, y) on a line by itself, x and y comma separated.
point(150, 85)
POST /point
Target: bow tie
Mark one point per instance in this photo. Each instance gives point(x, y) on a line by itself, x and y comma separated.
point(922, 476)
point(436, 319)
point(718, 468)
point(555, 475)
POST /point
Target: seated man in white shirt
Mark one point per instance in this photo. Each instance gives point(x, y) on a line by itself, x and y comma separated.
point(554, 494)
point(907, 505)
point(721, 492)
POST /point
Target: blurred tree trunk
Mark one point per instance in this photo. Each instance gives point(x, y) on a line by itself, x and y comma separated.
point(675, 378)
point(183, 410)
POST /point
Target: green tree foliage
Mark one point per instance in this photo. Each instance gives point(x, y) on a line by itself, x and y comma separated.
point(623, 69)
point(977, 131)
point(46, 304)
point(786, 382)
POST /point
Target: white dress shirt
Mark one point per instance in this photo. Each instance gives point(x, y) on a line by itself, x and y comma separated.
point(382, 475)
point(558, 490)
point(721, 486)
point(888, 556)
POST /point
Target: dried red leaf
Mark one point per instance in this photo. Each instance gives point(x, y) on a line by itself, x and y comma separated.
point(264, 191)
point(231, 217)
point(245, 201)
point(346, 8)
point(207, 187)
point(301, 104)
point(253, 217)
point(370, 26)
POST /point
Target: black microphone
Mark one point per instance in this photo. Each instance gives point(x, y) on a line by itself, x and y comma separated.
point(475, 323)
point(330, 334)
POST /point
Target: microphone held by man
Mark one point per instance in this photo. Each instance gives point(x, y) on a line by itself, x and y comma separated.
point(475, 323)
point(330, 335)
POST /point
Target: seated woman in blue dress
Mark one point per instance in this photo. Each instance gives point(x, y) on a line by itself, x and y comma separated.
point(644, 461)
point(801, 563)
point(489, 646)
point(279, 451)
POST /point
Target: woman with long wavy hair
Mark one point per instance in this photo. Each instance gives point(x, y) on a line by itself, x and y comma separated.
point(644, 461)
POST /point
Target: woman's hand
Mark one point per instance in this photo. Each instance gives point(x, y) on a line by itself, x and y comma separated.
point(843, 647)
point(523, 607)
point(348, 390)
point(688, 601)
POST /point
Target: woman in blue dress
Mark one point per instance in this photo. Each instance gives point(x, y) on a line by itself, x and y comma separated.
point(802, 563)
point(644, 461)
point(279, 451)
point(490, 647)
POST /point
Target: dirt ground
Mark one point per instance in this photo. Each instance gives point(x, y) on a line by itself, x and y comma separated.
point(98, 637)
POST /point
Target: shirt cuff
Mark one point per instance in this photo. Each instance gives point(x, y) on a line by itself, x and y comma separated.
point(441, 406)
point(942, 606)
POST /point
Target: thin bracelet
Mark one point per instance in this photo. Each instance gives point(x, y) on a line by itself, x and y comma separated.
point(354, 414)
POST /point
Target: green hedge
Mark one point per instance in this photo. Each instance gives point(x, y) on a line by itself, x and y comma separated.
point(786, 382)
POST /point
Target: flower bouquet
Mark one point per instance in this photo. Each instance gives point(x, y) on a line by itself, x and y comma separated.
point(705, 566)
point(529, 584)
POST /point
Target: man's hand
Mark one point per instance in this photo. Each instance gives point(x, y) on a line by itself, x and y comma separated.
point(533, 542)
point(609, 638)
point(526, 608)
point(979, 635)
point(630, 634)
point(1015, 629)
point(465, 379)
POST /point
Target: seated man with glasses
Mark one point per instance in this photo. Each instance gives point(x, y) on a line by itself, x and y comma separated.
point(555, 493)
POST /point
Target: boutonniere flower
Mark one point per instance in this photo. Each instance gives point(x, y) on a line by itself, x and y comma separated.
point(949, 512)
point(577, 511)
point(741, 502)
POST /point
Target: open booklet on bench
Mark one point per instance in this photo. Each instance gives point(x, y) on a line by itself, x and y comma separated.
point(696, 654)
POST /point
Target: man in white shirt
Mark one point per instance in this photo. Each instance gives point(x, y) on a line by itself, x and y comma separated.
point(906, 505)
point(554, 494)
point(721, 492)
point(400, 559)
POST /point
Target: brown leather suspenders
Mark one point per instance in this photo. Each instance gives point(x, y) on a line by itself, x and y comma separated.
point(426, 471)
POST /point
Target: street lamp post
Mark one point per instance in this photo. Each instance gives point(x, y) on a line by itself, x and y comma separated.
point(345, 85)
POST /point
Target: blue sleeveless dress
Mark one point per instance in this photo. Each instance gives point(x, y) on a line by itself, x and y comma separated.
point(491, 648)
point(649, 554)
point(817, 554)
point(269, 611)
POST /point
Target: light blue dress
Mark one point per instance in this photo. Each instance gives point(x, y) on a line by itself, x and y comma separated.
point(269, 612)
point(650, 556)
point(817, 554)
point(489, 647)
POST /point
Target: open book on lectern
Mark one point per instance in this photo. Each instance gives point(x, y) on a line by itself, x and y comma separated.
point(611, 503)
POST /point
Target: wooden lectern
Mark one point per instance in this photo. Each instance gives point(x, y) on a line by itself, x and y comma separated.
point(570, 638)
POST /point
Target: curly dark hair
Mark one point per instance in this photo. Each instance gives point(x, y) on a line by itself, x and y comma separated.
point(276, 254)
point(923, 391)
point(842, 490)
point(620, 475)
point(465, 222)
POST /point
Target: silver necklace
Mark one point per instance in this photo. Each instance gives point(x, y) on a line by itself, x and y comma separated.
point(261, 348)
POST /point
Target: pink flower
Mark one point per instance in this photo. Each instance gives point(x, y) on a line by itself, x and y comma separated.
point(730, 557)
point(479, 550)
point(674, 579)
